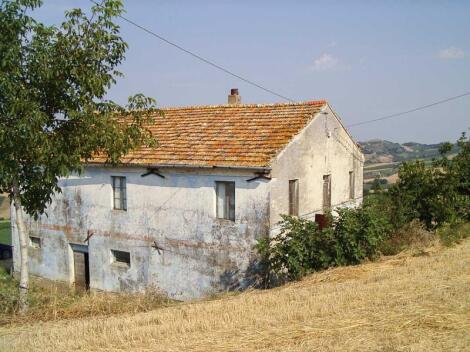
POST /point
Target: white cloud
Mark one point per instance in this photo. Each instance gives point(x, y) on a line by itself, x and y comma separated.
point(327, 62)
point(451, 53)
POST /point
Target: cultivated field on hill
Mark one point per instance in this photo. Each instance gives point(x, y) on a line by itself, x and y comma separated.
point(418, 301)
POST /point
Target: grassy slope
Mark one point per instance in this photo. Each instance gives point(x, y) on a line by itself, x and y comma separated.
point(5, 235)
point(5, 232)
point(402, 303)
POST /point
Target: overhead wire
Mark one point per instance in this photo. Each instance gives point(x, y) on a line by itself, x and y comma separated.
point(386, 117)
point(201, 58)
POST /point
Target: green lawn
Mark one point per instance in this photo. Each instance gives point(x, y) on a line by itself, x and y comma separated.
point(5, 232)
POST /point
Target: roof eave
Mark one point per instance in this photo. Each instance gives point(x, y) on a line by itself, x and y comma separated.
point(182, 166)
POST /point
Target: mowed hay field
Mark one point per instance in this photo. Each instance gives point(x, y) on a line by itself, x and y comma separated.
point(401, 303)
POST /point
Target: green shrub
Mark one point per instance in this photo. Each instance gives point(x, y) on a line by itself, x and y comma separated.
point(452, 233)
point(413, 234)
point(435, 194)
point(8, 292)
point(358, 233)
point(299, 248)
point(302, 247)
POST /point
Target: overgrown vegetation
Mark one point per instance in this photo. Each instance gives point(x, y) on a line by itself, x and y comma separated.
point(426, 203)
point(5, 232)
point(50, 300)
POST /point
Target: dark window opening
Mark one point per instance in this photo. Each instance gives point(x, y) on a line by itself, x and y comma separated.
point(34, 242)
point(119, 193)
point(121, 257)
point(326, 191)
point(294, 197)
point(225, 200)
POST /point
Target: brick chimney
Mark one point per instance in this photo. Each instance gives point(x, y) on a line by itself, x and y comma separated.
point(234, 98)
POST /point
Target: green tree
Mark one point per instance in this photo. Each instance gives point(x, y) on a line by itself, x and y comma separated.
point(53, 110)
point(436, 194)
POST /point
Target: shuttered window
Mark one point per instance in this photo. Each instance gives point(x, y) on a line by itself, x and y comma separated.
point(119, 193)
point(294, 197)
point(327, 191)
point(225, 200)
point(352, 185)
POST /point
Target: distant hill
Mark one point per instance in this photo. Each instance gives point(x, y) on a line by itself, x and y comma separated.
point(383, 151)
point(383, 158)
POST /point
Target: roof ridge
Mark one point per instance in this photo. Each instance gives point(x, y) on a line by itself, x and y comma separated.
point(230, 106)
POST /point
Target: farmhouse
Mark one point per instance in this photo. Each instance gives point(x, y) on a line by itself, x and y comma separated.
point(183, 216)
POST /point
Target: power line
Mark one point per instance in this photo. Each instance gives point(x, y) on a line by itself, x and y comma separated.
point(410, 111)
point(223, 69)
point(199, 57)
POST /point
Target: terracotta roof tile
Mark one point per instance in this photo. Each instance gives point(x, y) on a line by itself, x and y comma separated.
point(224, 135)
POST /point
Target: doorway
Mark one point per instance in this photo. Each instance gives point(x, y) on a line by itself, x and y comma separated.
point(81, 267)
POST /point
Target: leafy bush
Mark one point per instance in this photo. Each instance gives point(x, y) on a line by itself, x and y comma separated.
point(299, 248)
point(413, 234)
point(358, 233)
point(302, 247)
point(452, 233)
point(434, 195)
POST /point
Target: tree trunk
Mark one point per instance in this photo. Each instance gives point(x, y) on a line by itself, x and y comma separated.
point(24, 270)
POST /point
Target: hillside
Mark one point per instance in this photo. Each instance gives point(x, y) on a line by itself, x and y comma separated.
point(383, 151)
point(401, 303)
point(383, 158)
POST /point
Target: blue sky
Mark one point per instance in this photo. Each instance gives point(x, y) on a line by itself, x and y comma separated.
point(367, 58)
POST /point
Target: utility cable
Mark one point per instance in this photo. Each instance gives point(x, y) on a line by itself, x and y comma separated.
point(200, 58)
point(409, 111)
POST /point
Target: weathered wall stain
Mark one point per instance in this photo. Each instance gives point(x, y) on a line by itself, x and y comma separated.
point(177, 214)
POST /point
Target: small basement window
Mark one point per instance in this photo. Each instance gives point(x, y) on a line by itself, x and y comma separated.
point(121, 258)
point(34, 242)
point(225, 200)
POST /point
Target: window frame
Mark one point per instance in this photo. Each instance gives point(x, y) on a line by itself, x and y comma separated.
point(352, 185)
point(327, 204)
point(36, 243)
point(119, 203)
point(229, 206)
point(116, 258)
point(294, 197)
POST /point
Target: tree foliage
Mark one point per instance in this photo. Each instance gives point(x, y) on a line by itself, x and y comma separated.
point(437, 194)
point(53, 108)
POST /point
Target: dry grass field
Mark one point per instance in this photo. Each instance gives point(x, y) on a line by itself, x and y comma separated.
point(408, 302)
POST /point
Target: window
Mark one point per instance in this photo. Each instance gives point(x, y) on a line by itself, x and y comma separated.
point(352, 185)
point(326, 191)
point(119, 193)
point(34, 242)
point(225, 200)
point(294, 197)
point(121, 258)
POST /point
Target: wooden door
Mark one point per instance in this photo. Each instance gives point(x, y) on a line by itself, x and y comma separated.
point(81, 268)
